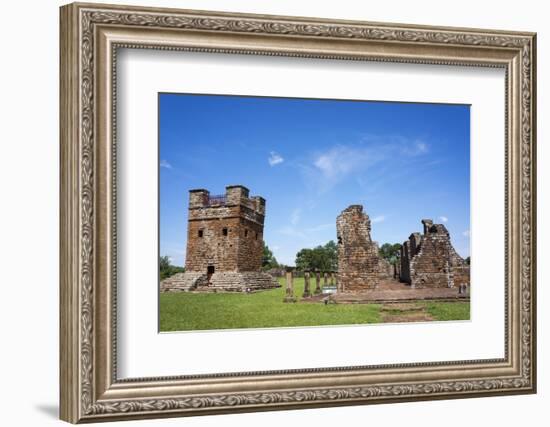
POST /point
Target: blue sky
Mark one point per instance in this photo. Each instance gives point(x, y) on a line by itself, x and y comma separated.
point(310, 159)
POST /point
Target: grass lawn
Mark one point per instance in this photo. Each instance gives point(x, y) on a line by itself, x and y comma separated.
point(201, 311)
point(449, 310)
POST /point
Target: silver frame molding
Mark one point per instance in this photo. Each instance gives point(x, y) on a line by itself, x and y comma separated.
point(90, 37)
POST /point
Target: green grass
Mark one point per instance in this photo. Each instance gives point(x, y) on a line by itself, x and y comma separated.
point(449, 310)
point(202, 311)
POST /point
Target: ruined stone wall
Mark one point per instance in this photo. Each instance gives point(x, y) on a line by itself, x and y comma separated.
point(397, 270)
point(358, 260)
point(431, 261)
point(385, 269)
point(404, 258)
point(430, 267)
point(461, 275)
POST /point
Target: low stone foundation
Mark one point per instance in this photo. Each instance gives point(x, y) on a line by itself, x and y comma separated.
point(181, 282)
point(219, 282)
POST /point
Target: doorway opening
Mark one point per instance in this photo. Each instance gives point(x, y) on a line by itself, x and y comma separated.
point(210, 271)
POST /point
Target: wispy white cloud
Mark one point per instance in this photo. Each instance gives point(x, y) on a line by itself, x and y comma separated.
point(295, 216)
point(290, 231)
point(415, 148)
point(309, 233)
point(321, 227)
point(342, 161)
point(466, 233)
point(274, 158)
point(443, 219)
point(165, 164)
point(379, 218)
point(334, 165)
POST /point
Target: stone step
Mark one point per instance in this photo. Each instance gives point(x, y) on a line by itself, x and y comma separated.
point(224, 281)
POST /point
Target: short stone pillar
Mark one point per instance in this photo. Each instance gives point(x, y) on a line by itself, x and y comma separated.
point(332, 278)
point(318, 283)
point(450, 276)
point(307, 292)
point(289, 297)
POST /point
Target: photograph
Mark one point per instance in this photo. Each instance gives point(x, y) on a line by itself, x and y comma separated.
point(296, 212)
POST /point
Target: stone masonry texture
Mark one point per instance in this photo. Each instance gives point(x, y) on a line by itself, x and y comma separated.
point(358, 259)
point(429, 260)
point(224, 243)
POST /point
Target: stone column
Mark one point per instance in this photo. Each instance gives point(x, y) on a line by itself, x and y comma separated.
point(318, 283)
point(307, 292)
point(289, 297)
point(332, 278)
point(450, 276)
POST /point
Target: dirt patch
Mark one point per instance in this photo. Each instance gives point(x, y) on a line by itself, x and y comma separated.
point(404, 312)
point(402, 307)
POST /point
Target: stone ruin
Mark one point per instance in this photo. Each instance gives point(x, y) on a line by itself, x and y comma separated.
point(358, 260)
point(225, 249)
point(224, 244)
point(429, 260)
point(385, 269)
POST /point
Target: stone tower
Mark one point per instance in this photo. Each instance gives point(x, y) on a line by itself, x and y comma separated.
point(358, 260)
point(225, 232)
point(224, 243)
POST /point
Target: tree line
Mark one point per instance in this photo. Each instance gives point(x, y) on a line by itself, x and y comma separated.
point(322, 258)
point(325, 257)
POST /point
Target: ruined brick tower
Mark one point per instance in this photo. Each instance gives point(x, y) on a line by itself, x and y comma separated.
point(358, 260)
point(224, 243)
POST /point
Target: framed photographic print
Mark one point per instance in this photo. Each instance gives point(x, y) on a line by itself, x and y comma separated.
point(265, 212)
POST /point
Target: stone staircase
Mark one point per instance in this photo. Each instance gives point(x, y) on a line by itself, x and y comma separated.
point(183, 282)
point(241, 282)
point(219, 282)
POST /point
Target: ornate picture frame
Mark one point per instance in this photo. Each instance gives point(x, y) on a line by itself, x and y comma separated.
point(90, 37)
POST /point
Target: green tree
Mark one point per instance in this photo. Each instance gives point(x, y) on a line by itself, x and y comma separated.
point(331, 250)
point(166, 269)
point(467, 260)
point(323, 258)
point(268, 259)
point(390, 252)
point(164, 263)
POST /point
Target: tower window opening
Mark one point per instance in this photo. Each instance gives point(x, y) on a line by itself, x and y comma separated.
point(224, 231)
point(201, 233)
